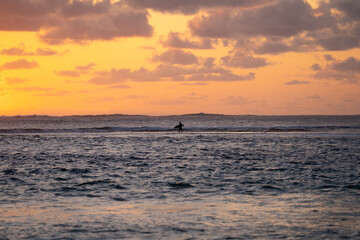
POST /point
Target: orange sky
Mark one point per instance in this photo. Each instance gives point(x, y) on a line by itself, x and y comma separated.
point(173, 57)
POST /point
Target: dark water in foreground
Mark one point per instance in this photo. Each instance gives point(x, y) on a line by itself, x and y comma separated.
point(224, 177)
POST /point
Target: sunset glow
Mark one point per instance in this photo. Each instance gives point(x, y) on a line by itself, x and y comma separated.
point(175, 57)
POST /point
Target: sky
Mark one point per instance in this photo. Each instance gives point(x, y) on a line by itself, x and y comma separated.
point(161, 57)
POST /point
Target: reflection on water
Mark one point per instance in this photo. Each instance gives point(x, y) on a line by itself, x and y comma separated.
point(237, 216)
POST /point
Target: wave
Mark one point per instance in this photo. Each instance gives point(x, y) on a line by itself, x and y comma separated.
point(234, 129)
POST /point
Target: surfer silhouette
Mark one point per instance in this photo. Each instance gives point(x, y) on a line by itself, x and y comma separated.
point(179, 126)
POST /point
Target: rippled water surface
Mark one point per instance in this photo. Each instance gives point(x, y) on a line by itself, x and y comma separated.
point(193, 185)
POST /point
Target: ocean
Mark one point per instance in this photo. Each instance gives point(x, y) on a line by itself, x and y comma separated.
point(223, 177)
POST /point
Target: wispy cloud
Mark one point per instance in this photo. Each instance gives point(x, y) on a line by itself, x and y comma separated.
point(170, 101)
point(33, 89)
point(236, 100)
point(19, 64)
point(134, 97)
point(195, 84)
point(68, 73)
point(18, 51)
point(81, 69)
point(87, 67)
point(164, 72)
point(121, 86)
point(314, 97)
point(296, 82)
point(58, 93)
point(14, 80)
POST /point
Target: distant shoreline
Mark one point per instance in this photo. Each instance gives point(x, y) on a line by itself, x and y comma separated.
point(172, 115)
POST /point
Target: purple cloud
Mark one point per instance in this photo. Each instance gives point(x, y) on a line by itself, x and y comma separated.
point(168, 73)
point(176, 40)
point(15, 80)
point(296, 82)
point(119, 23)
point(221, 77)
point(329, 57)
point(244, 61)
point(16, 51)
point(62, 21)
point(351, 64)
point(339, 42)
point(19, 64)
point(134, 97)
point(350, 8)
point(314, 97)
point(74, 74)
point(23, 15)
point(316, 67)
point(85, 68)
point(176, 57)
point(346, 71)
point(191, 7)
point(282, 19)
point(270, 47)
point(122, 86)
point(80, 8)
point(283, 26)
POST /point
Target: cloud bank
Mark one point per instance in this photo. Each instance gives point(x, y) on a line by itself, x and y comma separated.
point(252, 28)
point(64, 21)
point(284, 26)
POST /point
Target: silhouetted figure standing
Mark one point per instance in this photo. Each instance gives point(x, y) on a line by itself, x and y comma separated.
point(180, 126)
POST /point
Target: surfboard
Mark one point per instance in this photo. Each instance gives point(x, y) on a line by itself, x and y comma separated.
point(179, 126)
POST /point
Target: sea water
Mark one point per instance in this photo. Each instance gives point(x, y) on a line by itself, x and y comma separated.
point(223, 177)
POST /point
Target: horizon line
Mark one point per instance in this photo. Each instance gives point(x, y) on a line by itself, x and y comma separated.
point(169, 115)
